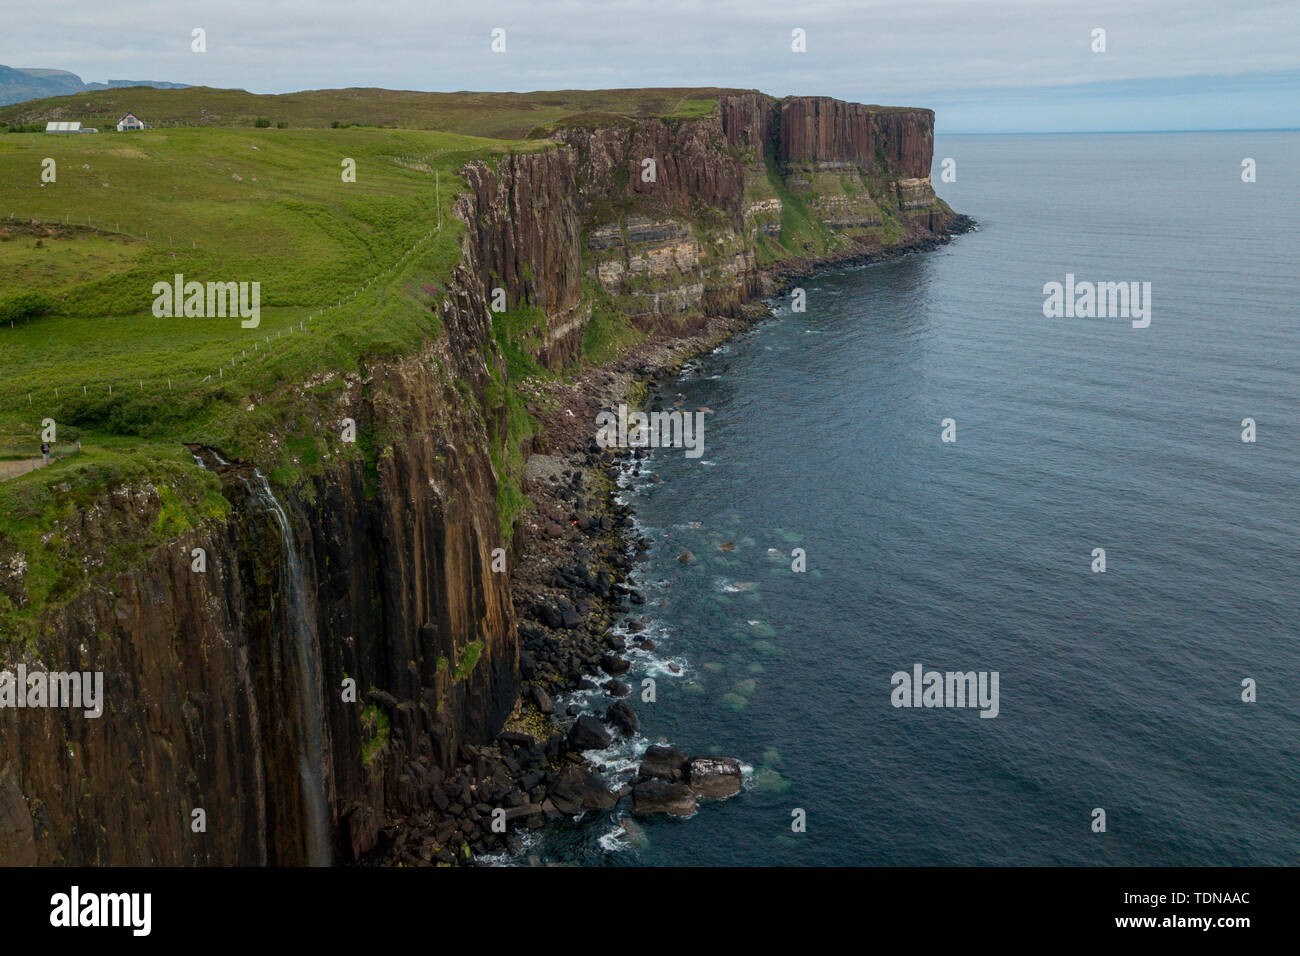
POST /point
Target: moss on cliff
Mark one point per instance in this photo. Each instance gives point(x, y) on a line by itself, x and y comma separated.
point(509, 425)
point(95, 513)
point(374, 734)
point(802, 233)
point(468, 658)
point(609, 331)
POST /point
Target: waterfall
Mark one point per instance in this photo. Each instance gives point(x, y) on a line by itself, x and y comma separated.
point(309, 690)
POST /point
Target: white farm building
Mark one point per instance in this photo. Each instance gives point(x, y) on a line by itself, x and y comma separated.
point(129, 122)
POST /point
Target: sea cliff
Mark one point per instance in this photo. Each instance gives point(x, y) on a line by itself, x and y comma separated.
point(352, 651)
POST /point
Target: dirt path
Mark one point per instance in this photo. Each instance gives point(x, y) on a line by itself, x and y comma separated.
point(12, 469)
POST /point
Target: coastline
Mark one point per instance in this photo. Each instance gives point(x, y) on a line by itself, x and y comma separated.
point(572, 554)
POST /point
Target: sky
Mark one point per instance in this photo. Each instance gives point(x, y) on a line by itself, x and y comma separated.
point(982, 65)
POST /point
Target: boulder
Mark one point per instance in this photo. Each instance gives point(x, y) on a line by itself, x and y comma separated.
point(613, 665)
point(541, 700)
point(662, 762)
point(588, 733)
point(549, 615)
point(651, 797)
point(576, 788)
point(523, 812)
point(714, 777)
point(623, 717)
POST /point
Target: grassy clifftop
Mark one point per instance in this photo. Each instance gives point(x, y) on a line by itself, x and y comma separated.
point(361, 260)
point(495, 115)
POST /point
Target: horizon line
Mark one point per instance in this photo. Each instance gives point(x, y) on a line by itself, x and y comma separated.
point(1085, 132)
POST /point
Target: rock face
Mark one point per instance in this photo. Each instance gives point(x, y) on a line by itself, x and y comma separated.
point(821, 129)
point(524, 214)
point(692, 165)
point(390, 568)
point(672, 210)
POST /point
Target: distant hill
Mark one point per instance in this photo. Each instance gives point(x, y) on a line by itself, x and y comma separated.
point(18, 84)
point(496, 115)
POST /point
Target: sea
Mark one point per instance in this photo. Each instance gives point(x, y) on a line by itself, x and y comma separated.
point(922, 469)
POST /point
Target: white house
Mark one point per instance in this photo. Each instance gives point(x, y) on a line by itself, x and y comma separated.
point(58, 127)
point(129, 122)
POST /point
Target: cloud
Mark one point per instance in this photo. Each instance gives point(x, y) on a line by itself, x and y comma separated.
point(894, 53)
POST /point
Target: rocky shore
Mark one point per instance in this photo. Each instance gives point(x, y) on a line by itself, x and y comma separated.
point(573, 553)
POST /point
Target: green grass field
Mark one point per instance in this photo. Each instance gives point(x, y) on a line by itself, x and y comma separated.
point(220, 205)
point(497, 115)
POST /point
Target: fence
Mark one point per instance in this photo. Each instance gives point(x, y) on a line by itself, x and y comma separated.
point(116, 230)
point(177, 378)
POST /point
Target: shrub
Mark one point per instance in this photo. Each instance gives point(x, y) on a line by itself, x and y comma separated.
point(23, 306)
point(261, 122)
point(282, 125)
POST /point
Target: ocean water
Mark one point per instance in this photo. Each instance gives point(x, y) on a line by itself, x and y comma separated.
point(1119, 690)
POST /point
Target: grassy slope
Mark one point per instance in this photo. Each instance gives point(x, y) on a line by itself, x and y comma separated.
point(497, 115)
point(278, 213)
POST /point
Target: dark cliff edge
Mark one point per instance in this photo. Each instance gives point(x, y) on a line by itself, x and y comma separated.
point(609, 230)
